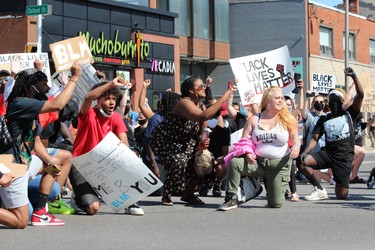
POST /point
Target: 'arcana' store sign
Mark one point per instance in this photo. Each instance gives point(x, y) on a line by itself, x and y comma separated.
point(120, 52)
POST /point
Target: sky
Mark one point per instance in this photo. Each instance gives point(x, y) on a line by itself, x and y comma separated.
point(329, 2)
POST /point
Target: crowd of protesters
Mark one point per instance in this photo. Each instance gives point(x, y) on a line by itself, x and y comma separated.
point(282, 139)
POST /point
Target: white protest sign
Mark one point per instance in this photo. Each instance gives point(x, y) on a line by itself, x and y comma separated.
point(116, 173)
point(87, 80)
point(21, 61)
point(235, 137)
point(256, 72)
point(66, 52)
point(322, 83)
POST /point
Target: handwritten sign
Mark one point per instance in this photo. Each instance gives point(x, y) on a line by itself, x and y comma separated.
point(322, 83)
point(368, 103)
point(87, 80)
point(22, 61)
point(256, 72)
point(235, 137)
point(116, 173)
point(66, 52)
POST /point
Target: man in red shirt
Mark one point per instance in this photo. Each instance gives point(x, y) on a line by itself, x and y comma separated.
point(94, 123)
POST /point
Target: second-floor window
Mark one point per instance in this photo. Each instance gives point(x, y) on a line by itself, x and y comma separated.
point(325, 39)
point(351, 45)
point(372, 51)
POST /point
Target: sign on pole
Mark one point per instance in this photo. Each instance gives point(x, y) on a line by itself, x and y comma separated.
point(35, 10)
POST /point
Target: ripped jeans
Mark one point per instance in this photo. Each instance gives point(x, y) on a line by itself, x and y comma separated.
point(276, 173)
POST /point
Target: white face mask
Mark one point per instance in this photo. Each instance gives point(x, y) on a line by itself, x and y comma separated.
point(102, 111)
point(212, 122)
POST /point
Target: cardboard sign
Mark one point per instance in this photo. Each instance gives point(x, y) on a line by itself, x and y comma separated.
point(368, 103)
point(116, 173)
point(322, 83)
point(87, 80)
point(235, 137)
point(7, 165)
point(66, 52)
point(256, 72)
point(21, 61)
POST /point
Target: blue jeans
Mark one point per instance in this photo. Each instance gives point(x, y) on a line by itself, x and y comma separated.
point(33, 192)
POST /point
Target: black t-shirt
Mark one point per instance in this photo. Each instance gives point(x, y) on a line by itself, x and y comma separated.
point(218, 138)
point(240, 120)
point(339, 134)
point(130, 134)
point(23, 124)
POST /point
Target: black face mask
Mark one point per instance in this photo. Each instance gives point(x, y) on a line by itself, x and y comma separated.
point(335, 107)
point(39, 95)
point(318, 106)
point(142, 122)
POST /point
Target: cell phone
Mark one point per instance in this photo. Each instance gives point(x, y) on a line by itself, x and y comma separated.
point(312, 94)
point(52, 169)
point(230, 84)
point(297, 77)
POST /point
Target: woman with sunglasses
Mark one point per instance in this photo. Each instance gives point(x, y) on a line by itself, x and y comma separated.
point(269, 131)
point(176, 140)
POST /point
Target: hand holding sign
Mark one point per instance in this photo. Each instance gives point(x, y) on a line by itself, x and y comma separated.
point(76, 70)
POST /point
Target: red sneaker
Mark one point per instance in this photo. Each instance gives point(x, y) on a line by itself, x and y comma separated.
point(43, 218)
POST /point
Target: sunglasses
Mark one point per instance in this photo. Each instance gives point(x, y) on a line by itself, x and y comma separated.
point(202, 86)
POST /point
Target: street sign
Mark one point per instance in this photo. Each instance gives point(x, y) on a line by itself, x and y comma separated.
point(35, 10)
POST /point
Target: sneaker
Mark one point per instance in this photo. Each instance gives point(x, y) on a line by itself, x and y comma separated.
point(229, 204)
point(60, 207)
point(134, 210)
point(370, 182)
point(216, 192)
point(44, 218)
point(294, 197)
point(317, 195)
point(203, 192)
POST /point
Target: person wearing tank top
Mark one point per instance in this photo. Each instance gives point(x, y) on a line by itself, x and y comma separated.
point(269, 131)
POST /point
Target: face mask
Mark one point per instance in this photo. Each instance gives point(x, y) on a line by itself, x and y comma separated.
point(318, 106)
point(142, 122)
point(39, 95)
point(243, 112)
point(212, 122)
point(336, 107)
point(102, 111)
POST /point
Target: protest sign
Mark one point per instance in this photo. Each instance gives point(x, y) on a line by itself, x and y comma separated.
point(322, 83)
point(116, 173)
point(21, 61)
point(368, 103)
point(256, 72)
point(66, 52)
point(7, 166)
point(235, 137)
point(87, 80)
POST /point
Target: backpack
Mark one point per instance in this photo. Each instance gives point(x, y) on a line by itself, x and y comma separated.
point(6, 140)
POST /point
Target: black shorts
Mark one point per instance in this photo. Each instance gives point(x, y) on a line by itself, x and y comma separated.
point(341, 169)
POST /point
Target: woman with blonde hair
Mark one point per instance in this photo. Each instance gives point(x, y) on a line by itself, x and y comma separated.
point(272, 159)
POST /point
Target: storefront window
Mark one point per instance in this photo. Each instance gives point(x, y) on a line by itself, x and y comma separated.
point(221, 20)
point(201, 19)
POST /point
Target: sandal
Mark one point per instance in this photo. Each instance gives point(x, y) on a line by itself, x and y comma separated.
point(357, 180)
point(193, 200)
point(166, 200)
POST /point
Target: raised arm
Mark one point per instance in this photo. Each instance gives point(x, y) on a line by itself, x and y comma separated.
point(124, 99)
point(62, 99)
point(357, 102)
point(145, 109)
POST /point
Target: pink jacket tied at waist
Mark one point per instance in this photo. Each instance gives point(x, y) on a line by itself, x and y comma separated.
point(242, 147)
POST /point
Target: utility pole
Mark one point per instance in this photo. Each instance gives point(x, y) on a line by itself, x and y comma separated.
point(39, 30)
point(346, 41)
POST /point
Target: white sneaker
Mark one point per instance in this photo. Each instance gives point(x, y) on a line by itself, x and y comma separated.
point(134, 210)
point(317, 195)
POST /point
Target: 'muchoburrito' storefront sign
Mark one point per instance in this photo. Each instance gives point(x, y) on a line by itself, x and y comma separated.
point(115, 51)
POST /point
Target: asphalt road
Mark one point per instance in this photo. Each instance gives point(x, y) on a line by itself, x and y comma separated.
point(328, 224)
